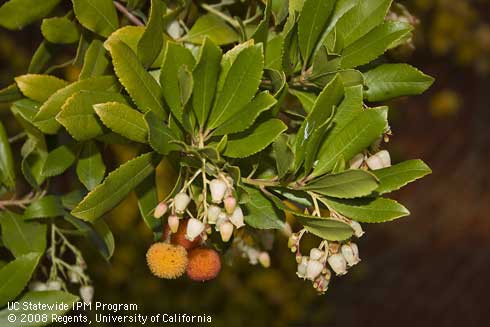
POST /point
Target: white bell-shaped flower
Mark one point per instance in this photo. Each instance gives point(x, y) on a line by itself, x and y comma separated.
point(316, 254)
point(356, 161)
point(181, 201)
point(338, 264)
point(194, 228)
point(87, 293)
point(379, 160)
point(314, 269)
point(37, 286)
point(213, 213)
point(358, 231)
point(237, 217)
point(349, 255)
point(302, 265)
point(53, 285)
point(218, 189)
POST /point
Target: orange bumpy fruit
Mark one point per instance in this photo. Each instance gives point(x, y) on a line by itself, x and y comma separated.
point(167, 260)
point(204, 264)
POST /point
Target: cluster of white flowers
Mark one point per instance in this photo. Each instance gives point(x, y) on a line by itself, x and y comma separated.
point(253, 254)
point(76, 275)
point(223, 212)
point(315, 267)
point(227, 217)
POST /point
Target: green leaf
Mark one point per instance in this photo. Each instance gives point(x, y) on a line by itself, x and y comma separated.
point(241, 84)
point(348, 109)
point(90, 168)
point(273, 54)
point(22, 237)
point(39, 87)
point(7, 172)
point(70, 200)
point(176, 56)
point(368, 210)
point(48, 298)
point(147, 196)
point(43, 55)
point(325, 228)
point(245, 118)
point(283, 154)
point(45, 118)
point(306, 99)
point(98, 16)
point(186, 84)
point(46, 207)
point(365, 16)
point(141, 86)
point(10, 93)
point(123, 120)
point(357, 135)
point(212, 27)
point(260, 212)
point(14, 277)
point(348, 184)
point(15, 14)
point(115, 187)
point(151, 43)
point(58, 161)
point(160, 135)
point(311, 24)
point(261, 33)
point(131, 35)
point(96, 61)
point(342, 7)
point(255, 139)
point(59, 30)
point(311, 130)
point(205, 74)
point(373, 44)
point(395, 177)
point(98, 233)
point(78, 116)
point(393, 80)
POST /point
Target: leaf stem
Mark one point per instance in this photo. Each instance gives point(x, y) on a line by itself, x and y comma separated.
point(261, 182)
point(218, 13)
point(122, 9)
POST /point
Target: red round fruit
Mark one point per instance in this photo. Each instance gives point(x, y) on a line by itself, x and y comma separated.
point(204, 264)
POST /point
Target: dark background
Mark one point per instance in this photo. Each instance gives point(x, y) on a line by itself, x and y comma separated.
point(430, 269)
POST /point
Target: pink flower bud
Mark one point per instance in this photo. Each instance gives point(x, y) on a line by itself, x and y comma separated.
point(230, 204)
point(226, 230)
point(160, 210)
point(265, 259)
point(173, 223)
